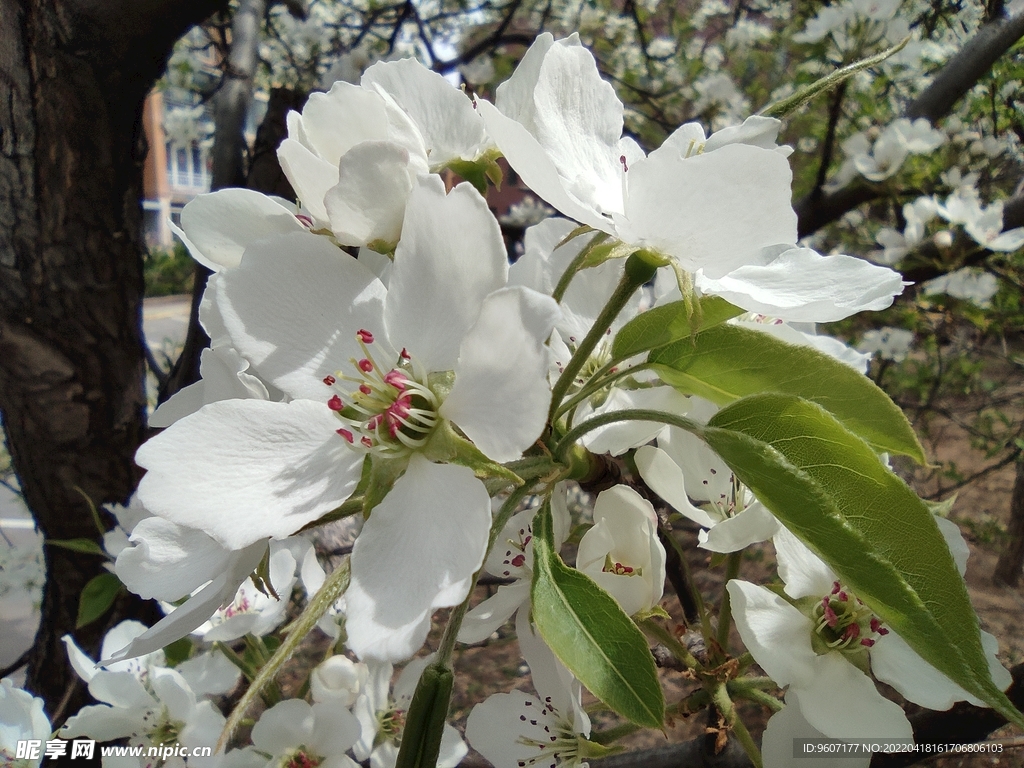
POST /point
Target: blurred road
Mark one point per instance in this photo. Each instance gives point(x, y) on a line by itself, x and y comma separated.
point(165, 322)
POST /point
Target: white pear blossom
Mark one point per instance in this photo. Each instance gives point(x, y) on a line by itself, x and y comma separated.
point(296, 734)
point(888, 343)
point(162, 709)
point(338, 679)
point(886, 156)
point(559, 126)
point(820, 646)
point(512, 558)
point(969, 284)
point(520, 730)
point(312, 320)
point(622, 552)
point(381, 715)
point(353, 154)
point(21, 718)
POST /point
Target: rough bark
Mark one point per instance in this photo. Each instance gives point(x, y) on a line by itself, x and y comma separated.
point(73, 77)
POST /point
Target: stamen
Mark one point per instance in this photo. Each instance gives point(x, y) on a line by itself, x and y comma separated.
point(365, 336)
point(335, 404)
point(329, 381)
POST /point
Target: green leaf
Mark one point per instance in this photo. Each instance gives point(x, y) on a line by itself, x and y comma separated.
point(178, 651)
point(792, 103)
point(830, 489)
point(591, 635)
point(86, 546)
point(663, 325)
point(727, 362)
point(96, 598)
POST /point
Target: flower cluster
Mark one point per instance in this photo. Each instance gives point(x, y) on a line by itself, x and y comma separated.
point(374, 355)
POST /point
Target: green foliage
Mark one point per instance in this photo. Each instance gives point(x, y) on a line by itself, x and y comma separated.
point(831, 490)
point(591, 635)
point(97, 597)
point(168, 273)
point(728, 362)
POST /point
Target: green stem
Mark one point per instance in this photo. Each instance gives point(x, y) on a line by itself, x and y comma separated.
point(451, 630)
point(333, 588)
point(758, 697)
point(732, 569)
point(629, 414)
point(760, 683)
point(720, 696)
point(247, 669)
point(669, 640)
point(612, 735)
point(638, 271)
point(598, 382)
point(574, 266)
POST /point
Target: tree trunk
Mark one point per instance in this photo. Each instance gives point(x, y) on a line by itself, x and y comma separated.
point(1012, 559)
point(73, 77)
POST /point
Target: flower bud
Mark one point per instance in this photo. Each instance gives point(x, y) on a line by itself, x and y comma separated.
point(337, 679)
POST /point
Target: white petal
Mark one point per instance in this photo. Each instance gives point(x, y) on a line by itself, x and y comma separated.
point(842, 702)
point(293, 308)
point(336, 121)
point(555, 684)
point(753, 524)
point(209, 674)
point(666, 479)
point(501, 395)
point(483, 620)
point(896, 663)
point(85, 667)
point(254, 469)
point(525, 154)
point(418, 551)
point(336, 728)
point(453, 748)
point(450, 258)
point(222, 224)
point(223, 378)
point(169, 561)
point(803, 572)
point(620, 436)
point(368, 203)
point(578, 121)
point(789, 724)
point(955, 541)
point(103, 723)
point(173, 692)
point(283, 727)
point(121, 689)
point(497, 726)
point(803, 285)
point(777, 635)
point(197, 608)
point(445, 116)
point(713, 211)
point(310, 177)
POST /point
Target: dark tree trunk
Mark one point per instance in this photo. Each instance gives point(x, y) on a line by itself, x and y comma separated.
point(73, 78)
point(1012, 559)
